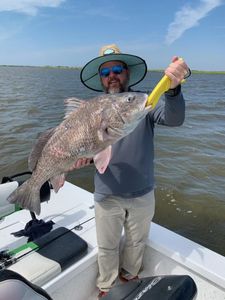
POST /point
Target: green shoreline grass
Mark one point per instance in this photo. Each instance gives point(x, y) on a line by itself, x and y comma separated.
point(79, 68)
point(196, 72)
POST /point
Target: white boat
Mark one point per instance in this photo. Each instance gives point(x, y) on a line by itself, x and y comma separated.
point(167, 253)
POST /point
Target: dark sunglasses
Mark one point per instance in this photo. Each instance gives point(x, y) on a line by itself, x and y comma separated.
point(104, 72)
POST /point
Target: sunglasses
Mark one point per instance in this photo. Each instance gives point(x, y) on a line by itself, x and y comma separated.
point(104, 72)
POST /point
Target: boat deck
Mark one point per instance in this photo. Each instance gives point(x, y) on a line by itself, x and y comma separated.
point(166, 252)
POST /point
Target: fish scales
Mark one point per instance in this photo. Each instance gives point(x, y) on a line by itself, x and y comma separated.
point(88, 130)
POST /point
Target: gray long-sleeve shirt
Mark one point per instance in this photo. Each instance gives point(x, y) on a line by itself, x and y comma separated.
point(131, 170)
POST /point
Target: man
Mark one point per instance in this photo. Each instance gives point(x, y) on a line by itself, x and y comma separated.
point(124, 194)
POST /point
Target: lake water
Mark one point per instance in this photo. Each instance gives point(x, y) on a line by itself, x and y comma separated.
point(189, 160)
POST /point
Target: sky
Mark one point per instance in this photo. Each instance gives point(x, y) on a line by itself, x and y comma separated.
point(71, 32)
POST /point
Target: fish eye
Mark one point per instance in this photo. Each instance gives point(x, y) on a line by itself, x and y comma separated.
point(130, 98)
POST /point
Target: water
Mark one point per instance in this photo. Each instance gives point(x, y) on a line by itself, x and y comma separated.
point(189, 160)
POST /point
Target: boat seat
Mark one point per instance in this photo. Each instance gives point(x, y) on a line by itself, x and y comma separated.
point(172, 287)
point(13, 286)
point(54, 252)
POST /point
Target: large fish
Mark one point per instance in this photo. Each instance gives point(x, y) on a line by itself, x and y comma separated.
point(88, 130)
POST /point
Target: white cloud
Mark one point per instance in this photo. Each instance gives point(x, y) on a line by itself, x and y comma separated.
point(188, 17)
point(29, 7)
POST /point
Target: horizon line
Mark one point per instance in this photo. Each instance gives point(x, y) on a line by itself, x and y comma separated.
point(77, 67)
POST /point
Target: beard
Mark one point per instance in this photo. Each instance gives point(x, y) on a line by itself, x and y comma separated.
point(115, 88)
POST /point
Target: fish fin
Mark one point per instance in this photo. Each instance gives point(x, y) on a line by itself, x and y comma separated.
point(35, 154)
point(102, 159)
point(27, 196)
point(57, 182)
point(71, 105)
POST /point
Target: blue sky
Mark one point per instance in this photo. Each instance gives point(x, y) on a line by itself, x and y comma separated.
point(70, 32)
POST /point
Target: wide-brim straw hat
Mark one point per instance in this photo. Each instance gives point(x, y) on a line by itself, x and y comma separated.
point(90, 73)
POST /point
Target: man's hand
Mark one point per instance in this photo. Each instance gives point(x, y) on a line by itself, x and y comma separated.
point(177, 71)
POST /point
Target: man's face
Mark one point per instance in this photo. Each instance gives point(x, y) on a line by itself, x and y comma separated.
point(114, 77)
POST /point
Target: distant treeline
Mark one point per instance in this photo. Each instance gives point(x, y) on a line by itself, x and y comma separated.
point(207, 72)
point(49, 67)
point(79, 68)
point(196, 72)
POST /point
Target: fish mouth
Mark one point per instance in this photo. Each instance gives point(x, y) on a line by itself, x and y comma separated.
point(147, 108)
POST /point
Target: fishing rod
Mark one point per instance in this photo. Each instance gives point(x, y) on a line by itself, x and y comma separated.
point(9, 257)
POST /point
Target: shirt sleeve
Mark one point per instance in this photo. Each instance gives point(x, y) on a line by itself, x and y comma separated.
point(170, 111)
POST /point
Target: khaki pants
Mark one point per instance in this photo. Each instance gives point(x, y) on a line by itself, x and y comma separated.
point(111, 216)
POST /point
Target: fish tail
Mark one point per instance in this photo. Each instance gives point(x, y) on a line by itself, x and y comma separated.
point(27, 196)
